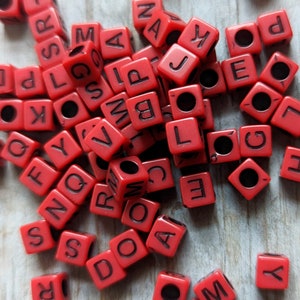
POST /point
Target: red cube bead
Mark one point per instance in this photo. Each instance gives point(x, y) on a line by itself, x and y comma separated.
point(127, 178)
point(33, 7)
point(115, 42)
point(11, 114)
point(128, 248)
point(212, 80)
point(140, 214)
point(98, 166)
point(70, 110)
point(105, 270)
point(138, 77)
point(184, 136)
point(165, 236)
point(19, 149)
point(163, 28)
point(76, 184)
point(178, 65)
point(199, 37)
point(62, 149)
point(51, 52)
point(170, 285)
point(74, 247)
point(37, 237)
point(249, 179)
point(256, 140)
point(142, 11)
point(57, 81)
point(53, 285)
point(197, 190)
point(115, 111)
point(83, 32)
point(275, 27)
point(272, 271)
point(103, 203)
point(114, 75)
point(11, 12)
point(105, 140)
point(290, 167)
point(243, 38)
point(38, 115)
point(29, 82)
point(7, 81)
point(46, 23)
point(94, 93)
point(186, 102)
point(214, 285)
point(261, 102)
point(279, 72)
point(287, 115)
point(144, 110)
point(39, 176)
point(57, 209)
point(223, 146)
point(239, 71)
point(190, 159)
point(207, 123)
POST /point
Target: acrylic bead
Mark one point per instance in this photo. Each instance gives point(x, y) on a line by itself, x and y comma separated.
point(290, 166)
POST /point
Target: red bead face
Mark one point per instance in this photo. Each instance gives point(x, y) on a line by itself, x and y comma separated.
point(272, 271)
point(98, 166)
point(249, 179)
point(290, 167)
point(197, 190)
point(7, 81)
point(11, 12)
point(33, 7)
point(207, 123)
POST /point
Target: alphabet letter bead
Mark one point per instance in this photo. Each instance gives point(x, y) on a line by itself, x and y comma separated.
point(249, 179)
point(279, 72)
point(290, 167)
point(128, 248)
point(170, 285)
point(190, 159)
point(272, 271)
point(50, 285)
point(33, 7)
point(7, 83)
point(197, 190)
point(274, 27)
point(165, 236)
point(105, 270)
point(11, 114)
point(256, 140)
point(214, 285)
point(37, 237)
point(74, 247)
point(207, 123)
point(223, 146)
point(11, 12)
point(98, 166)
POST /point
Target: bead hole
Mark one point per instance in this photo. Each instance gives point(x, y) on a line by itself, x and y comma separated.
point(101, 163)
point(244, 38)
point(170, 292)
point(69, 109)
point(223, 145)
point(76, 51)
point(280, 70)
point(209, 78)
point(261, 101)
point(5, 4)
point(248, 178)
point(64, 287)
point(129, 167)
point(186, 101)
point(173, 37)
point(8, 113)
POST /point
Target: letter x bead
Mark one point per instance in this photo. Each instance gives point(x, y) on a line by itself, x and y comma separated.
point(249, 179)
point(290, 167)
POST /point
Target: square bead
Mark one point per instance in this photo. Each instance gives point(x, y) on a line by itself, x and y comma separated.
point(290, 167)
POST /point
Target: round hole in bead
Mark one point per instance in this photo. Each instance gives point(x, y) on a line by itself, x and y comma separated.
point(186, 101)
point(101, 163)
point(5, 4)
point(8, 113)
point(223, 145)
point(76, 51)
point(64, 287)
point(170, 292)
point(129, 167)
point(280, 70)
point(69, 109)
point(244, 38)
point(173, 37)
point(209, 78)
point(248, 178)
point(261, 101)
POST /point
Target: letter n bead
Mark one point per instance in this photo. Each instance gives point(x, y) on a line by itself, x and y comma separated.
point(105, 270)
point(54, 286)
point(171, 285)
point(165, 236)
point(272, 271)
point(214, 285)
point(74, 247)
point(290, 167)
point(249, 179)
